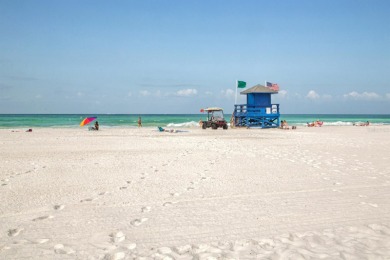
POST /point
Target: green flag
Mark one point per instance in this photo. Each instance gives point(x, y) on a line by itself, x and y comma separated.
point(241, 84)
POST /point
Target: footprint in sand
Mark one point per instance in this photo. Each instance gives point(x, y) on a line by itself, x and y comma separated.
point(88, 199)
point(117, 237)
point(146, 209)
point(373, 205)
point(115, 256)
point(43, 218)
point(175, 194)
point(123, 188)
point(14, 232)
point(61, 249)
point(103, 193)
point(137, 222)
point(167, 204)
point(41, 241)
point(164, 250)
point(59, 207)
point(131, 246)
point(181, 250)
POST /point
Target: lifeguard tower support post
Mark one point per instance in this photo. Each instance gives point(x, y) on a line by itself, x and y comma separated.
point(258, 111)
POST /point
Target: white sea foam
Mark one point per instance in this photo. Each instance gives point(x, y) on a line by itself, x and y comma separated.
point(340, 123)
point(185, 124)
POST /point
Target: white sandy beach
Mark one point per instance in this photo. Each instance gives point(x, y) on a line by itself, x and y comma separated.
point(310, 193)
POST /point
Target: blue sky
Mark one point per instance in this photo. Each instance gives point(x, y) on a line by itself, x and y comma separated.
point(179, 56)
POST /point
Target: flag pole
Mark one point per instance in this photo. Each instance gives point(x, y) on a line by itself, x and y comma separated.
point(235, 100)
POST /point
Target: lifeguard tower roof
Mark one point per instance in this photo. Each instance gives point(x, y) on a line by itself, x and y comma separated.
point(258, 89)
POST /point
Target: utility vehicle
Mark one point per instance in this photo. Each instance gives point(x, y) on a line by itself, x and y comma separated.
point(215, 118)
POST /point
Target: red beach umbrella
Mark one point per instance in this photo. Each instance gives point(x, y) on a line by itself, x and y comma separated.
point(87, 120)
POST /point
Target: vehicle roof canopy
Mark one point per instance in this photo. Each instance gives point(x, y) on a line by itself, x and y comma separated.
point(210, 109)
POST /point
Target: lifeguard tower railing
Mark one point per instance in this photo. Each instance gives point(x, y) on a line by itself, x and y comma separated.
point(256, 116)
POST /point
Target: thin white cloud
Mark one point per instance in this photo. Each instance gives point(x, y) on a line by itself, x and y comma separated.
point(186, 92)
point(209, 93)
point(80, 94)
point(228, 93)
point(144, 93)
point(312, 95)
point(129, 94)
point(362, 96)
point(387, 96)
point(38, 96)
point(282, 93)
point(147, 93)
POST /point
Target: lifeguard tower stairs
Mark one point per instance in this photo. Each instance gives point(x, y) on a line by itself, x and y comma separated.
point(258, 111)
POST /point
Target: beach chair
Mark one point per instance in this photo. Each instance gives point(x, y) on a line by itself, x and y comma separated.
point(160, 129)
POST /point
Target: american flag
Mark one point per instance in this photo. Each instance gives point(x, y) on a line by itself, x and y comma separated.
point(275, 87)
point(272, 86)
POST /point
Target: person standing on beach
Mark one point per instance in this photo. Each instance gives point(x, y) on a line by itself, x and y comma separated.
point(232, 119)
point(139, 122)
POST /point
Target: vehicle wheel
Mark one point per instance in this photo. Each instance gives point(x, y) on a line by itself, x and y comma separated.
point(225, 127)
point(214, 126)
point(204, 126)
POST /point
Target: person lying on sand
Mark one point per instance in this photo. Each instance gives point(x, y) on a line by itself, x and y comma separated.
point(284, 125)
point(166, 130)
point(317, 123)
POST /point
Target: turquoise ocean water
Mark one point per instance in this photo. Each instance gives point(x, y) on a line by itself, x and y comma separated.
point(168, 120)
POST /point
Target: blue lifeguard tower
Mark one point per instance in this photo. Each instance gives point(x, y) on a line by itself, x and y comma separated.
point(258, 110)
